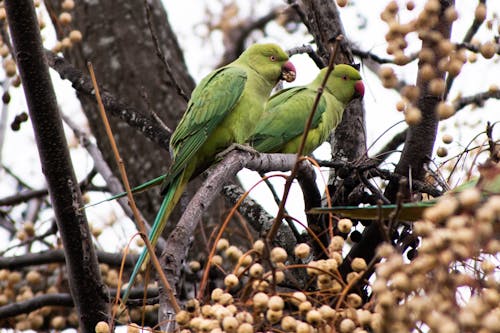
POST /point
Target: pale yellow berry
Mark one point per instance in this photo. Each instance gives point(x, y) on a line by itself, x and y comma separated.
point(451, 14)
point(14, 278)
point(400, 106)
point(413, 116)
point(347, 325)
point(480, 12)
point(472, 58)
point(302, 250)
point(260, 301)
point(289, 323)
point(222, 244)
point(226, 299)
point(437, 86)
point(68, 5)
point(233, 253)
point(59, 322)
point(342, 3)
point(182, 318)
point(29, 228)
point(230, 324)
point(276, 303)
point(427, 72)
point(259, 246)
point(278, 254)
point(256, 270)
point(358, 264)
point(445, 110)
point(447, 138)
point(354, 300)
point(75, 36)
point(336, 244)
point(455, 67)
point(217, 260)
point(65, 18)
point(303, 328)
point(273, 316)
point(304, 307)
point(34, 278)
point(231, 281)
point(327, 313)
point(386, 72)
point(10, 67)
point(245, 328)
point(470, 197)
point(194, 266)
point(66, 43)
point(313, 317)
point(344, 225)
point(400, 281)
point(442, 152)
point(298, 297)
point(488, 49)
point(411, 92)
point(216, 294)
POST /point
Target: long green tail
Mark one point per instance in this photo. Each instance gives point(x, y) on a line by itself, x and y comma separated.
point(171, 198)
point(143, 187)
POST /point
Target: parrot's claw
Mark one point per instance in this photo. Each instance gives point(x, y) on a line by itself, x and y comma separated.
point(235, 146)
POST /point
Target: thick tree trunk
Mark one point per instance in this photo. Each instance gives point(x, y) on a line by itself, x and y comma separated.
point(118, 41)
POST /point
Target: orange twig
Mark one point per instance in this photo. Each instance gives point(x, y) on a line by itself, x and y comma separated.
point(126, 184)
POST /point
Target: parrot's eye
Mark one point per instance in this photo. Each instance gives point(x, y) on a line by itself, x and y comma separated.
point(344, 77)
point(273, 58)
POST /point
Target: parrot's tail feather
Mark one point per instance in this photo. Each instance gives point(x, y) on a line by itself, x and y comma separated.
point(174, 192)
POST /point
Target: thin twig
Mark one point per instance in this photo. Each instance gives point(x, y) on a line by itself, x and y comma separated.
point(140, 222)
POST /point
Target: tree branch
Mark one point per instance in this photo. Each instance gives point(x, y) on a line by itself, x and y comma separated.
point(178, 241)
point(57, 256)
point(153, 130)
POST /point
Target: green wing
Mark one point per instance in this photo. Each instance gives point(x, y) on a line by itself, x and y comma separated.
point(211, 101)
point(285, 117)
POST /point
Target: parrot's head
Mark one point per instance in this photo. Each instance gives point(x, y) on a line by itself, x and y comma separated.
point(270, 61)
point(344, 83)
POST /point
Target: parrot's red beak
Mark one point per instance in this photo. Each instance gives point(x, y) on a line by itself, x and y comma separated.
point(288, 72)
point(359, 87)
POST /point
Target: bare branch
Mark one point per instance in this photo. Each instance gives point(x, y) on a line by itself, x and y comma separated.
point(477, 99)
point(57, 256)
point(82, 84)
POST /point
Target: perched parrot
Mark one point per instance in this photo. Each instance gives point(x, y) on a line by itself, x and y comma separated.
point(224, 109)
point(282, 125)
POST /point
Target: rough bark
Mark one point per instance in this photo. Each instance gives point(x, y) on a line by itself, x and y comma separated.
point(118, 41)
point(84, 278)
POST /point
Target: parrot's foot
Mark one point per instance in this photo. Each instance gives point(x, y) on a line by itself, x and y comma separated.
point(235, 146)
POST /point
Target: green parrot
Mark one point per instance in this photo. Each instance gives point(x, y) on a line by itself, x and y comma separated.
point(282, 125)
point(224, 109)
